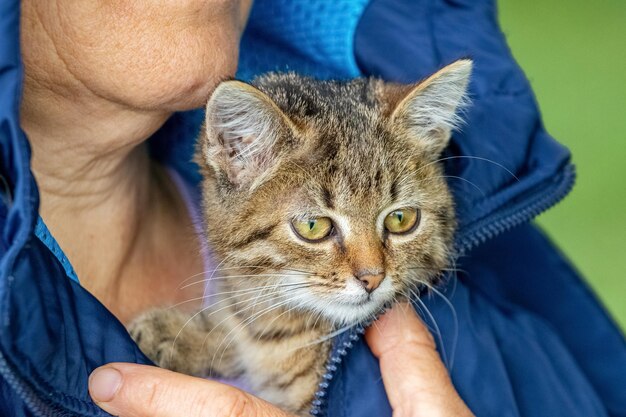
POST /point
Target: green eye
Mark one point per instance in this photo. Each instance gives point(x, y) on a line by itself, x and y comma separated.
point(402, 221)
point(313, 230)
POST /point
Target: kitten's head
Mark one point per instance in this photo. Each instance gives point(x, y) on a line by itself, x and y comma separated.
point(330, 193)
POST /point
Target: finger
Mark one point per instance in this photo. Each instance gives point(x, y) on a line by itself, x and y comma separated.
point(129, 390)
point(413, 373)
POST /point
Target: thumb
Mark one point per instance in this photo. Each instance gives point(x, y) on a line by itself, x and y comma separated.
point(415, 378)
point(130, 390)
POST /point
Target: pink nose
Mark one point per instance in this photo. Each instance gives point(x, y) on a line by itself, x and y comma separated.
point(370, 281)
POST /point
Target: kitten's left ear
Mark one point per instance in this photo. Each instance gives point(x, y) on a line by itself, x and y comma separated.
point(429, 109)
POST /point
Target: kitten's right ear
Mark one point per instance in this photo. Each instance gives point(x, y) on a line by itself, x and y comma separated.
point(243, 126)
point(429, 109)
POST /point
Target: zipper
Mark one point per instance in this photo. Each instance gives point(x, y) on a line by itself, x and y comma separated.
point(41, 406)
point(341, 345)
point(32, 401)
point(538, 200)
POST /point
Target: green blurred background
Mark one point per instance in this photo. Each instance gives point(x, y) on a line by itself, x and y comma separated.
point(574, 53)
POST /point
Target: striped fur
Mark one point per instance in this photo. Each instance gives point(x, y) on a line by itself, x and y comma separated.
point(287, 147)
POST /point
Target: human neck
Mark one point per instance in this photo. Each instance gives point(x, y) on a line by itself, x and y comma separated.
point(84, 160)
point(108, 205)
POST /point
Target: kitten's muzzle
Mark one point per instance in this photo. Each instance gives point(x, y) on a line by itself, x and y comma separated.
point(370, 281)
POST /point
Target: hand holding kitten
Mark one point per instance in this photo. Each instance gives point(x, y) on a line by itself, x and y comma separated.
point(415, 378)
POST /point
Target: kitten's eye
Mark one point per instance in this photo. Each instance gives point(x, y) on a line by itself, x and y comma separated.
point(402, 221)
point(313, 230)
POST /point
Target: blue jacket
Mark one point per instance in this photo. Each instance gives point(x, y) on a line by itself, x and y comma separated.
point(522, 334)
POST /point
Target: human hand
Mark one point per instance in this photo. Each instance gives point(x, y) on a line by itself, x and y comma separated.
point(130, 390)
point(416, 380)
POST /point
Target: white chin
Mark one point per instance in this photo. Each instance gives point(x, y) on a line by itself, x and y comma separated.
point(347, 307)
point(346, 314)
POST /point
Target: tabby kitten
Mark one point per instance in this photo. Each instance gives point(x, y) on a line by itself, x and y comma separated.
point(324, 201)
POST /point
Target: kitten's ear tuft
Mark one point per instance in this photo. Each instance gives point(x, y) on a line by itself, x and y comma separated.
point(243, 126)
point(430, 109)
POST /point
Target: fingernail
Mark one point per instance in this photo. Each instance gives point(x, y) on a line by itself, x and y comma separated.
point(104, 383)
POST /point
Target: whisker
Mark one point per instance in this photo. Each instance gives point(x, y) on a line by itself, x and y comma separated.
point(274, 319)
point(455, 320)
point(265, 297)
point(425, 268)
point(240, 276)
point(259, 298)
point(320, 315)
point(219, 269)
point(243, 324)
point(444, 356)
point(264, 266)
point(479, 158)
point(205, 272)
point(191, 277)
point(204, 309)
point(325, 338)
point(418, 307)
point(239, 292)
point(454, 278)
point(458, 178)
point(437, 269)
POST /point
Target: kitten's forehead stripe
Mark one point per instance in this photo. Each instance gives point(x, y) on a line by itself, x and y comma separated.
point(393, 190)
point(378, 177)
point(328, 198)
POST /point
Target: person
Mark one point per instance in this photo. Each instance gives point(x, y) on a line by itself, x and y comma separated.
point(102, 85)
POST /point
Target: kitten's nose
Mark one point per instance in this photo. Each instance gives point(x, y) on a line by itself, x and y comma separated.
point(370, 280)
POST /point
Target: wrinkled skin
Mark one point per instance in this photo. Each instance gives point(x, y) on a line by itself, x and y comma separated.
point(100, 78)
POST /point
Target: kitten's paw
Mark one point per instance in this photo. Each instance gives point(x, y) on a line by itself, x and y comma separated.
point(160, 336)
point(144, 331)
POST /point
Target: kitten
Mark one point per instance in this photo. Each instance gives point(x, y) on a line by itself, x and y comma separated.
point(324, 201)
